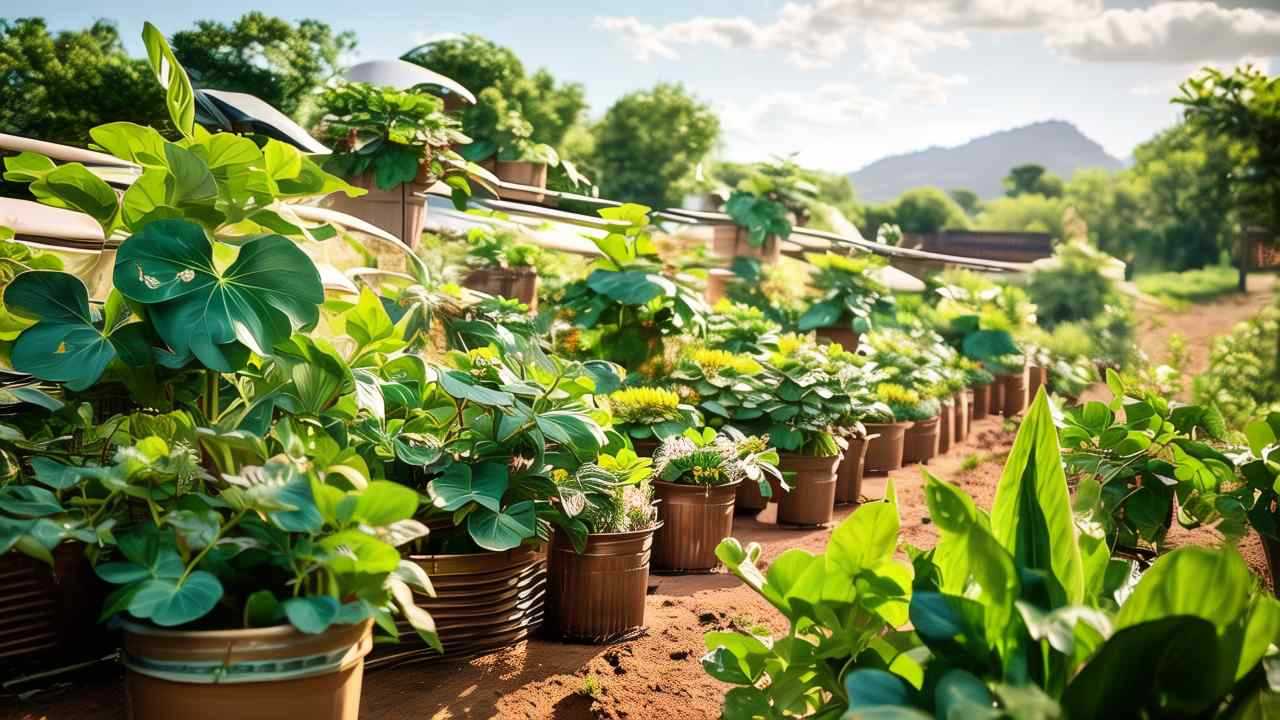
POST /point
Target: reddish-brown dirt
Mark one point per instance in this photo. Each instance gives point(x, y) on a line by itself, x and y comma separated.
point(657, 676)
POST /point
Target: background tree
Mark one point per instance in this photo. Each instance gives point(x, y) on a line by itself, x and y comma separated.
point(967, 199)
point(926, 210)
point(269, 57)
point(1113, 206)
point(57, 87)
point(1025, 213)
point(479, 64)
point(1032, 179)
point(1243, 106)
point(649, 142)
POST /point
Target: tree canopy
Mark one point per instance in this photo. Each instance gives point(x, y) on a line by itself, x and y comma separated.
point(927, 210)
point(649, 142)
point(1032, 179)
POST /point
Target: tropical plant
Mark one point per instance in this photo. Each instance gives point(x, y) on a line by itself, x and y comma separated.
point(708, 457)
point(1145, 452)
point(629, 305)
point(395, 137)
point(801, 402)
point(611, 495)
point(502, 132)
point(906, 405)
point(740, 328)
point(649, 413)
point(490, 247)
point(850, 292)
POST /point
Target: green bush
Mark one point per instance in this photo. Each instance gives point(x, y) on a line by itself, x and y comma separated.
point(1192, 285)
point(1241, 379)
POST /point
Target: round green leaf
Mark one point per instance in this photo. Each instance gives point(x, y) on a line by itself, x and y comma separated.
point(483, 484)
point(498, 531)
point(384, 503)
point(312, 614)
point(167, 604)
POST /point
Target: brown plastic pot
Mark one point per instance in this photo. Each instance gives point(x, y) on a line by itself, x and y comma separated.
point(812, 498)
point(997, 396)
point(981, 401)
point(1015, 392)
point(694, 519)
point(849, 474)
point(598, 595)
point(401, 211)
point(846, 337)
point(519, 283)
point(532, 174)
point(48, 616)
point(255, 674)
point(645, 448)
point(884, 447)
point(963, 416)
point(1036, 377)
point(920, 444)
point(748, 500)
point(730, 241)
point(484, 602)
point(946, 426)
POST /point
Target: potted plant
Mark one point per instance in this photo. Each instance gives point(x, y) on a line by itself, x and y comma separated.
point(630, 305)
point(763, 208)
point(1011, 381)
point(740, 328)
point(395, 144)
point(981, 383)
point(920, 442)
point(503, 143)
point(503, 265)
point(696, 477)
point(850, 294)
point(647, 416)
point(598, 582)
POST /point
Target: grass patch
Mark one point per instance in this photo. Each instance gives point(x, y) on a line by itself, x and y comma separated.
point(970, 462)
point(1190, 286)
point(590, 687)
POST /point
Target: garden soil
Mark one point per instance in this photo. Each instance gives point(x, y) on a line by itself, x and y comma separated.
point(656, 676)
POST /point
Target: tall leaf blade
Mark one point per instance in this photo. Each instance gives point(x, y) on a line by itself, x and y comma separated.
point(1032, 515)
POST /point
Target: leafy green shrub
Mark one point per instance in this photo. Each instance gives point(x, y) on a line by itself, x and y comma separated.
point(1241, 380)
point(850, 292)
point(500, 248)
point(717, 458)
point(1072, 287)
point(1200, 285)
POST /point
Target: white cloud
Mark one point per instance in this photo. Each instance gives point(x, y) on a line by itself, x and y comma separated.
point(1167, 85)
point(1174, 32)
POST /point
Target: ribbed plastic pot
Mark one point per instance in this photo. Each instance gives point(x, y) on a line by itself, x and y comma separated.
point(730, 241)
point(884, 447)
point(1036, 376)
point(695, 518)
point(484, 602)
point(255, 674)
point(531, 174)
point(812, 498)
point(598, 595)
point(963, 416)
point(849, 474)
point(48, 616)
point(847, 338)
point(1015, 392)
point(981, 401)
point(520, 283)
point(946, 426)
point(748, 500)
point(920, 444)
point(997, 396)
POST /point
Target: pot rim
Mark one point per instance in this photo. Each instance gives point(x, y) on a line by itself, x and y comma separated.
point(637, 533)
point(904, 424)
point(269, 632)
point(733, 484)
point(524, 547)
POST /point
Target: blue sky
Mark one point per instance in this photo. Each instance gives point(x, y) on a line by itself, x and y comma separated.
point(841, 82)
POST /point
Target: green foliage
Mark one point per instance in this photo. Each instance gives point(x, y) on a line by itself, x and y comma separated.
point(1196, 286)
point(1032, 179)
point(612, 496)
point(646, 413)
point(741, 328)
point(649, 142)
point(496, 247)
point(850, 292)
point(968, 200)
point(762, 217)
point(1075, 287)
point(499, 131)
point(927, 210)
point(710, 458)
point(268, 57)
point(1027, 213)
point(1241, 379)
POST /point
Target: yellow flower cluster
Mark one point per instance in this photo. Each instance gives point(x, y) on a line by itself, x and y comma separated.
point(894, 394)
point(714, 362)
point(706, 476)
point(644, 405)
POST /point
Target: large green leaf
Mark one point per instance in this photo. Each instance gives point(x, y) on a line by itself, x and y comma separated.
point(575, 431)
point(269, 291)
point(1031, 516)
point(988, 344)
point(630, 287)
point(504, 530)
point(168, 603)
point(28, 501)
point(820, 315)
point(1209, 583)
point(383, 503)
point(459, 484)
point(311, 614)
point(68, 343)
point(179, 95)
point(867, 538)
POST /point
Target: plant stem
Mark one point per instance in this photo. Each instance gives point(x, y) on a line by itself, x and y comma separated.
point(222, 532)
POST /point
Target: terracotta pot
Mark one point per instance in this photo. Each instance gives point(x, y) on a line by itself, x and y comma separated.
point(884, 450)
point(920, 444)
point(1036, 376)
point(997, 396)
point(645, 448)
point(847, 338)
point(849, 474)
point(256, 674)
point(981, 401)
point(598, 595)
point(401, 211)
point(484, 602)
point(521, 173)
point(946, 426)
point(48, 616)
point(730, 241)
point(812, 498)
point(963, 416)
point(1015, 392)
point(520, 283)
point(695, 518)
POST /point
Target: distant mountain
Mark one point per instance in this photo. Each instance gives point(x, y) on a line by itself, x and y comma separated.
point(981, 164)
